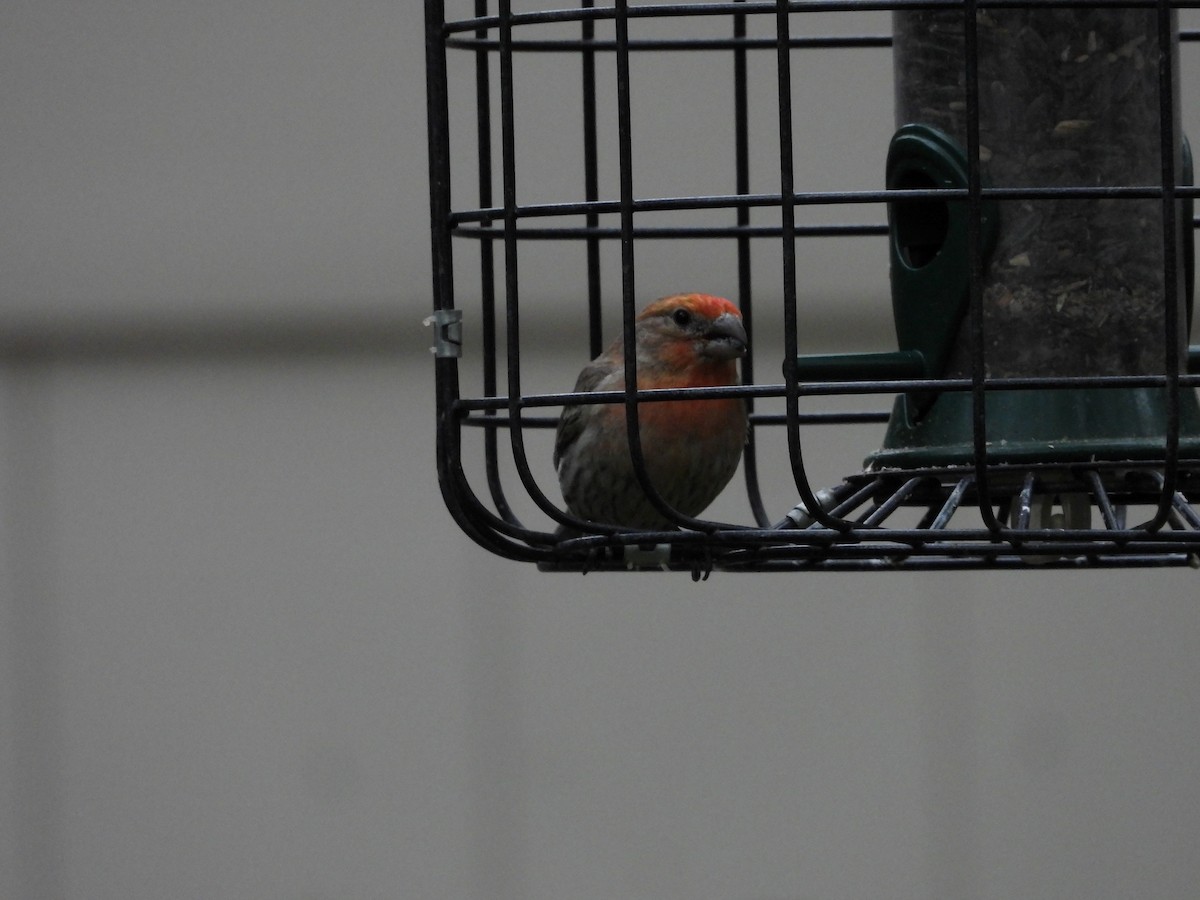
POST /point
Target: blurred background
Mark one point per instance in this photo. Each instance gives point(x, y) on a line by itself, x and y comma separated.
point(244, 652)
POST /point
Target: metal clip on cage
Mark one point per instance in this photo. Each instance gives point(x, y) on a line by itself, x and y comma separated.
point(1040, 232)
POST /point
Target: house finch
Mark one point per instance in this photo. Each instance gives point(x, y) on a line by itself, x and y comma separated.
point(691, 447)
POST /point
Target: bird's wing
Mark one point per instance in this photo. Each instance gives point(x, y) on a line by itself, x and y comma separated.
point(573, 418)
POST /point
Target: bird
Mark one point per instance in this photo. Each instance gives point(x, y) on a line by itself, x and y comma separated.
point(691, 447)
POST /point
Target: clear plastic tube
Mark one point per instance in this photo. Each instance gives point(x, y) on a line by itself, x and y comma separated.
point(1067, 98)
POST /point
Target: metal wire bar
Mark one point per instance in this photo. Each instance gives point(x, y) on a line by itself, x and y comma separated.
point(764, 563)
point(487, 268)
point(953, 501)
point(892, 503)
point(962, 542)
point(437, 101)
point(1168, 150)
point(867, 542)
point(788, 211)
point(745, 294)
point(460, 500)
point(1102, 500)
point(880, 559)
point(680, 10)
point(887, 563)
point(591, 185)
point(464, 506)
point(927, 517)
point(826, 388)
point(1185, 510)
point(843, 507)
point(495, 421)
point(812, 542)
point(827, 198)
point(628, 269)
point(595, 233)
point(568, 45)
point(628, 283)
point(846, 417)
point(511, 280)
point(975, 261)
point(1179, 502)
point(1024, 505)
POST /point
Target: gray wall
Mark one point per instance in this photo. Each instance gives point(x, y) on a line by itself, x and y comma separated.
point(245, 653)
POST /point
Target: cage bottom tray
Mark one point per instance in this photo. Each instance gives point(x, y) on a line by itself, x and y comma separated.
point(1112, 514)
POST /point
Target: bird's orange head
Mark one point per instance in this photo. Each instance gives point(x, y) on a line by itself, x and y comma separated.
point(698, 336)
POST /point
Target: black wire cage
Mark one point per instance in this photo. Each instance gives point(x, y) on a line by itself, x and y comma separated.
point(1039, 407)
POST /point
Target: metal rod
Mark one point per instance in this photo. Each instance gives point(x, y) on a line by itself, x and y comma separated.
point(1102, 500)
point(952, 503)
point(679, 10)
point(788, 211)
point(741, 129)
point(975, 263)
point(511, 279)
point(591, 186)
point(1169, 148)
point(825, 198)
point(568, 45)
point(594, 234)
point(464, 507)
point(628, 280)
point(487, 267)
point(892, 503)
point(660, 45)
point(1020, 522)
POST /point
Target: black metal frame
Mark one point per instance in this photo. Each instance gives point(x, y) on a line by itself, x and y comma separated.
point(847, 526)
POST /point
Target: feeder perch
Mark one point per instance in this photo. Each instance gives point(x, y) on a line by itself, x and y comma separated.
point(1040, 235)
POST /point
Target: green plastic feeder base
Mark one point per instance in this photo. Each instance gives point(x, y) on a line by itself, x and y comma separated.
point(1040, 426)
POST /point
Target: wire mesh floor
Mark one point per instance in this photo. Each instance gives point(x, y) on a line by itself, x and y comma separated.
point(1043, 517)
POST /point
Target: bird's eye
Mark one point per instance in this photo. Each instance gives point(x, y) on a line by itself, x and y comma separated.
point(681, 316)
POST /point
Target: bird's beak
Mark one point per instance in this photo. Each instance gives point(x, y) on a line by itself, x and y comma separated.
point(725, 338)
